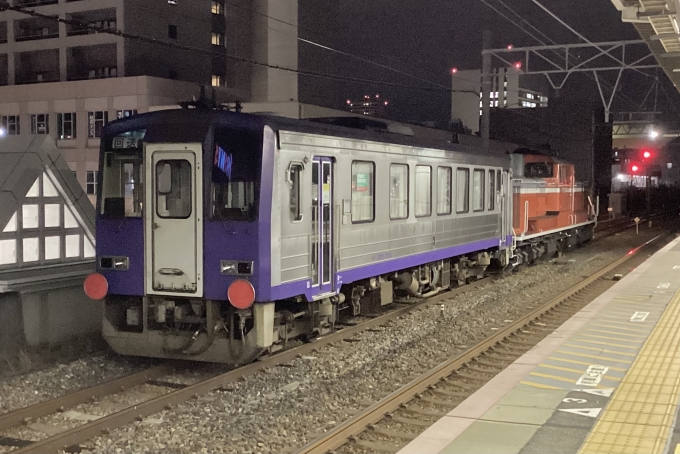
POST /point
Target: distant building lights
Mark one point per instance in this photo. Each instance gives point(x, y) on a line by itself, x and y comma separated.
point(454, 70)
point(510, 46)
point(349, 102)
point(386, 102)
point(377, 96)
point(518, 65)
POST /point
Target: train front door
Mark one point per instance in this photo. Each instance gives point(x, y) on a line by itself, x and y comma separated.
point(322, 226)
point(506, 209)
point(173, 220)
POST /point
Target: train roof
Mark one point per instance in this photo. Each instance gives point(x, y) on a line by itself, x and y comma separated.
point(184, 125)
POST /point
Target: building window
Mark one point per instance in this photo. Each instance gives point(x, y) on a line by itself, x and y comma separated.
point(295, 204)
point(66, 125)
point(10, 124)
point(478, 190)
point(217, 81)
point(92, 180)
point(423, 191)
point(95, 123)
point(125, 113)
point(216, 7)
point(444, 177)
point(40, 124)
point(398, 191)
point(172, 2)
point(172, 31)
point(217, 39)
point(462, 190)
point(492, 190)
point(363, 195)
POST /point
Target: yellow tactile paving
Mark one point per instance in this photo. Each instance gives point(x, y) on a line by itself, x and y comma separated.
point(640, 414)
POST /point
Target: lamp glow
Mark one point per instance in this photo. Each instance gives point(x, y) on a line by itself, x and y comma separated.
point(653, 134)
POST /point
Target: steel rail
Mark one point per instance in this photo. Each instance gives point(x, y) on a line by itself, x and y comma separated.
point(48, 407)
point(354, 426)
point(137, 412)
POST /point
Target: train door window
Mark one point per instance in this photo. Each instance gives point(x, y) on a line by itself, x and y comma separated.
point(462, 190)
point(423, 191)
point(363, 191)
point(444, 177)
point(294, 181)
point(173, 189)
point(398, 191)
point(478, 190)
point(492, 190)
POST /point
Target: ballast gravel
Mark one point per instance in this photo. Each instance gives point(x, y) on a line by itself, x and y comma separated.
point(287, 406)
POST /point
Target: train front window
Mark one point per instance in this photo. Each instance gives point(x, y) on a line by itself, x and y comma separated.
point(235, 182)
point(122, 185)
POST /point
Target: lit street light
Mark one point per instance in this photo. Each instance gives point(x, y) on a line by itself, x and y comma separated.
point(653, 134)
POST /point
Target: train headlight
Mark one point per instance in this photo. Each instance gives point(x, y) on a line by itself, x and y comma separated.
point(114, 263)
point(236, 267)
point(96, 286)
point(241, 294)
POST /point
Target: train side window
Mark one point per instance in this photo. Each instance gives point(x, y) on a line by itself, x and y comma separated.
point(478, 190)
point(563, 175)
point(294, 174)
point(444, 177)
point(398, 191)
point(363, 191)
point(423, 191)
point(492, 190)
point(462, 190)
point(499, 175)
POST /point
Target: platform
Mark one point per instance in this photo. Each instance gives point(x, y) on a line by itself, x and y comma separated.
point(607, 381)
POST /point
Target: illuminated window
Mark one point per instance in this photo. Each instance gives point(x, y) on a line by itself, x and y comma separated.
point(423, 191)
point(217, 81)
point(398, 191)
point(216, 7)
point(478, 190)
point(444, 177)
point(462, 190)
point(217, 39)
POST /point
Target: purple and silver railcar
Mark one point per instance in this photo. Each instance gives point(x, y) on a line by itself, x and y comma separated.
point(221, 236)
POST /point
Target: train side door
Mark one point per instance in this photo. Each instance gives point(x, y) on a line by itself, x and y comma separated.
point(322, 226)
point(506, 208)
point(173, 221)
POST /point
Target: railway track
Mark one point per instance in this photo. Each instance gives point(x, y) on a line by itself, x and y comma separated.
point(71, 438)
point(401, 416)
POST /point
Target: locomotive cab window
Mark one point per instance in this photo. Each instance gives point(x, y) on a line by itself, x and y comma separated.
point(173, 189)
point(363, 191)
point(538, 170)
point(462, 190)
point(398, 191)
point(235, 181)
point(423, 191)
point(294, 181)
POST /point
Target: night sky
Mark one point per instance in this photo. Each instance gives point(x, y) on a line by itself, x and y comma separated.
point(428, 38)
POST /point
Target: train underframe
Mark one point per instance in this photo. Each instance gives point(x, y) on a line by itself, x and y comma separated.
point(215, 331)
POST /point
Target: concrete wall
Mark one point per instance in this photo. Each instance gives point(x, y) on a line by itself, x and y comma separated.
point(11, 323)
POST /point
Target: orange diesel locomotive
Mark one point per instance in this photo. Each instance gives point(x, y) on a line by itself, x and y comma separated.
point(552, 212)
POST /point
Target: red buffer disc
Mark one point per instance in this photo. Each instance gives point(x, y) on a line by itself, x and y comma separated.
point(241, 294)
point(96, 286)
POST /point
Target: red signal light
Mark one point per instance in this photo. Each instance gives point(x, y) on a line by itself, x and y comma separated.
point(518, 65)
point(634, 168)
point(646, 154)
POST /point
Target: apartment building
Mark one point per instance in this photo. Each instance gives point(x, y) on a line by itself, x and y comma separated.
point(68, 80)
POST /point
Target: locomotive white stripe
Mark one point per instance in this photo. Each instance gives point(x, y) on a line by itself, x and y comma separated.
point(547, 232)
point(546, 190)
